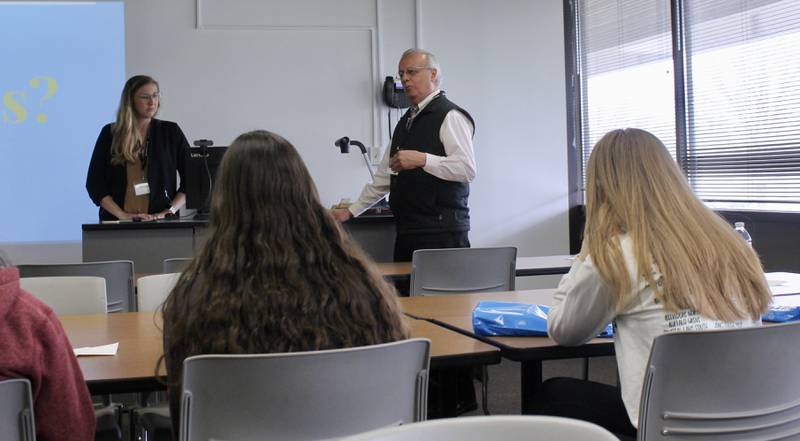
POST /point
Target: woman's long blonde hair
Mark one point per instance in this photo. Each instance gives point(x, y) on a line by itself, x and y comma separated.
point(126, 138)
point(634, 187)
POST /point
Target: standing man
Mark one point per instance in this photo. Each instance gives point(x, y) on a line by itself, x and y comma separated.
point(428, 167)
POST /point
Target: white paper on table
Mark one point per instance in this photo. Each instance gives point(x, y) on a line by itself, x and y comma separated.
point(97, 350)
point(786, 301)
point(782, 284)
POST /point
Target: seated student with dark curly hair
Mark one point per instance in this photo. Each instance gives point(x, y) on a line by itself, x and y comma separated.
point(276, 274)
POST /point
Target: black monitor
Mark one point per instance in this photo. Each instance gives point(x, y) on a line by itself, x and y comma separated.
point(201, 172)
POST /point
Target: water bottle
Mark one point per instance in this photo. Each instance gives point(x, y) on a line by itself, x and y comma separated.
point(739, 226)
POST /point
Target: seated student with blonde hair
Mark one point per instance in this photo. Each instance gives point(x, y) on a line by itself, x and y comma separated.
point(276, 274)
point(33, 345)
point(651, 250)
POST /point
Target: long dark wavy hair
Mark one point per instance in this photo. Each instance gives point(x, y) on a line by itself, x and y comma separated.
point(276, 274)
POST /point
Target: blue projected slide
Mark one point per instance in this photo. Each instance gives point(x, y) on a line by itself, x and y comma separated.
point(63, 70)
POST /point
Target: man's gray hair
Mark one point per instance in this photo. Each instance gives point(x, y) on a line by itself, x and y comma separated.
point(430, 61)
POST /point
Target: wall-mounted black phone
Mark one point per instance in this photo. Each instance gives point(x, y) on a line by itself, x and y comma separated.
point(394, 95)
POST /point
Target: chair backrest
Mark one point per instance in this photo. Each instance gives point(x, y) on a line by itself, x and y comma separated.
point(16, 411)
point(739, 384)
point(480, 428)
point(153, 290)
point(304, 395)
point(460, 270)
point(69, 295)
point(176, 264)
point(118, 275)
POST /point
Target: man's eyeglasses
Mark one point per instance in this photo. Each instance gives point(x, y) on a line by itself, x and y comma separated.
point(411, 71)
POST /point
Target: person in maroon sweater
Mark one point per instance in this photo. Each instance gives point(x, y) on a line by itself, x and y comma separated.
point(33, 345)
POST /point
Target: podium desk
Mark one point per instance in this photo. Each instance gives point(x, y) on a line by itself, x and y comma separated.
point(455, 313)
point(133, 368)
point(147, 244)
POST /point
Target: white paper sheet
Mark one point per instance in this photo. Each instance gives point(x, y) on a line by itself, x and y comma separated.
point(97, 350)
point(782, 284)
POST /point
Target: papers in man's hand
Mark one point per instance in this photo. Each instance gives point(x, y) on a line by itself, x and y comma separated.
point(97, 350)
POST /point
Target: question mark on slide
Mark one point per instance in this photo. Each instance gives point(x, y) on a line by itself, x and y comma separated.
point(15, 107)
point(52, 87)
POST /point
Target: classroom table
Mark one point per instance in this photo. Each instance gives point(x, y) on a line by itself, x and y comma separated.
point(133, 368)
point(526, 266)
point(455, 312)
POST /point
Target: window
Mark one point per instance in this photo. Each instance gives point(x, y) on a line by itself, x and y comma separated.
point(625, 69)
point(717, 81)
point(743, 101)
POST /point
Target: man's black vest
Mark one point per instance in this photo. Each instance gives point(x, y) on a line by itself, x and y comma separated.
point(421, 202)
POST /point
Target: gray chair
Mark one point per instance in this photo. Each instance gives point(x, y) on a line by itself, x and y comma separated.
point(462, 270)
point(176, 264)
point(506, 427)
point(83, 301)
point(69, 295)
point(154, 290)
point(151, 423)
point(118, 274)
point(726, 385)
point(16, 411)
point(304, 395)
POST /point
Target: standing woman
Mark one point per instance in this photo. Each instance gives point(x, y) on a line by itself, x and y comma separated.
point(654, 260)
point(132, 170)
point(276, 273)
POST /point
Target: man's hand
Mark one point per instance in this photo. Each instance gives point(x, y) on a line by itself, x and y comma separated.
point(407, 160)
point(341, 214)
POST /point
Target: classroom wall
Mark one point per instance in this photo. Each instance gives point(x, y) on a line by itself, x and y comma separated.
point(311, 71)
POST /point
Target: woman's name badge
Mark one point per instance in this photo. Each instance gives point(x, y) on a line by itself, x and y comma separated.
point(141, 188)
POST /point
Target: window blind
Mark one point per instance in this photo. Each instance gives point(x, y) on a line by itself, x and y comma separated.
point(625, 69)
point(743, 101)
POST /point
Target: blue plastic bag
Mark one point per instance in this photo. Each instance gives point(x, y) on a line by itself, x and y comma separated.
point(780, 314)
point(491, 318)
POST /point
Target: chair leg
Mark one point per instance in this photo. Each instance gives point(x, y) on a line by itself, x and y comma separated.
point(585, 368)
point(485, 389)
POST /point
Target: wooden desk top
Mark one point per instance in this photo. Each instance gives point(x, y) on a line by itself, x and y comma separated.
point(455, 312)
point(434, 307)
point(394, 269)
point(526, 266)
point(449, 348)
point(530, 348)
point(132, 369)
point(544, 265)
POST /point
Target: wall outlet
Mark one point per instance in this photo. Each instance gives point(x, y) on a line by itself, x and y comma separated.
point(375, 154)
